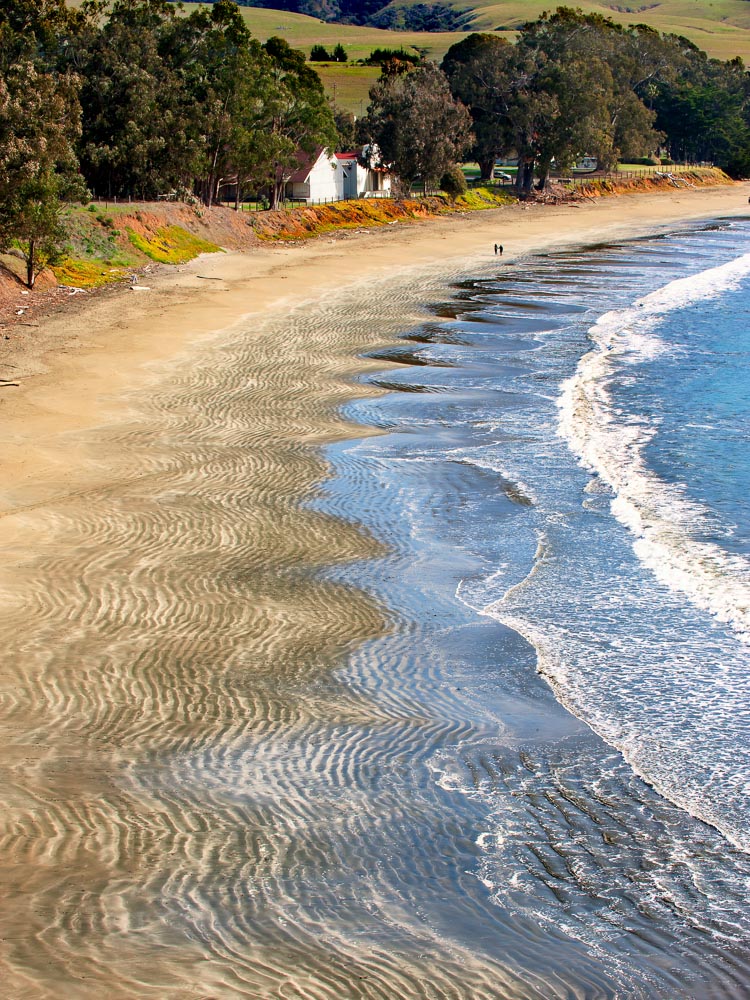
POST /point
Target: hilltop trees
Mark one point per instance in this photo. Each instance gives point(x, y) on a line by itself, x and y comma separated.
point(318, 53)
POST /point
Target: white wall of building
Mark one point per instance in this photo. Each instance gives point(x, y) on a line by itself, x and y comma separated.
point(326, 181)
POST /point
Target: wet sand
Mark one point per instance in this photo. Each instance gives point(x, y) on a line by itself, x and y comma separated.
point(74, 371)
point(169, 638)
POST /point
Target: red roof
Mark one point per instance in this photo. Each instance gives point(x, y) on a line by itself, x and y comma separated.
point(307, 161)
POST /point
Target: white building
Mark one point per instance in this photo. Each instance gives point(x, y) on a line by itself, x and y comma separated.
point(325, 177)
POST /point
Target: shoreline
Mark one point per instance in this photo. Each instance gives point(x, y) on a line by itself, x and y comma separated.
point(170, 643)
point(73, 367)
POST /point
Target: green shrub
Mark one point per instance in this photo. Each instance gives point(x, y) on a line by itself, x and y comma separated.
point(380, 56)
point(453, 182)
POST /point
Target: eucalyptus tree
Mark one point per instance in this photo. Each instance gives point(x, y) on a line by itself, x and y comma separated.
point(39, 122)
point(216, 61)
point(297, 117)
point(569, 85)
point(704, 111)
point(420, 127)
point(251, 144)
point(37, 30)
point(574, 65)
point(480, 70)
point(527, 98)
point(139, 126)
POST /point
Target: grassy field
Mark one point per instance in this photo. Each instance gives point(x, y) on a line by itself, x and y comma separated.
point(347, 86)
point(719, 27)
point(302, 32)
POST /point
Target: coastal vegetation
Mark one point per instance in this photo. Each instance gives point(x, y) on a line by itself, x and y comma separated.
point(170, 245)
point(138, 100)
point(574, 82)
point(105, 246)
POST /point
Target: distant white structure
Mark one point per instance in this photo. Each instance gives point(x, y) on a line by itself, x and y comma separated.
point(323, 176)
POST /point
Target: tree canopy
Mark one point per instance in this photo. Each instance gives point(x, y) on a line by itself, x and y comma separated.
point(420, 127)
point(579, 84)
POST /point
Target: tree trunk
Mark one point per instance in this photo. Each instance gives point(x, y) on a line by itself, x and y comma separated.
point(520, 175)
point(30, 262)
point(525, 175)
point(528, 176)
point(277, 190)
point(544, 169)
point(486, 166)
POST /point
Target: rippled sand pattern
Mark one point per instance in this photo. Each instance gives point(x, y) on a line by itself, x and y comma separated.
point(193, 805)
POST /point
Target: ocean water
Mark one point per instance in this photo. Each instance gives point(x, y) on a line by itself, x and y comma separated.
point(562, 478)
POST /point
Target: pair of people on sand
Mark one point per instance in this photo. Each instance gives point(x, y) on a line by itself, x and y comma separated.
point(498, 249)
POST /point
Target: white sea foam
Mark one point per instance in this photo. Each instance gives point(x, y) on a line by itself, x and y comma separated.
point(719, 801)
point(660, 516)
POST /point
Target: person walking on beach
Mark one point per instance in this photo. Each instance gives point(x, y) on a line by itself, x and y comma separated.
point(498, 249)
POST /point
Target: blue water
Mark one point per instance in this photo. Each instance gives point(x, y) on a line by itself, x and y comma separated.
point(564, 453)
point(697, 391)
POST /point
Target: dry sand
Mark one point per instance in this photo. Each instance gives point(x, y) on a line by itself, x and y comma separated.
point(72, 368)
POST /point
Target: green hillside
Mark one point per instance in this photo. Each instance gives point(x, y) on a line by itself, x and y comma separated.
point(720, 27)
point(303, 32)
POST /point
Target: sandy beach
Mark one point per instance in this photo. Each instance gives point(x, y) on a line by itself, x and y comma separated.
point(72, 369)
point(171, 630)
